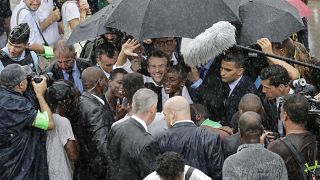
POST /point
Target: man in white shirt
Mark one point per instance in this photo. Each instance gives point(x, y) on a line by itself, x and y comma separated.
point(25, 12)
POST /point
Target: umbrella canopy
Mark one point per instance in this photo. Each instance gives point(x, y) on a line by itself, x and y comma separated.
point(169, 18)
point(273, 19)
point(303, 9)
point(91, 27)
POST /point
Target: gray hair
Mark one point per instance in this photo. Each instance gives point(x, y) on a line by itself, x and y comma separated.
point(142, 100)
point(63, 46)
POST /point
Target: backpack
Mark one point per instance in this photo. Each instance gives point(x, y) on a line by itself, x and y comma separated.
point(308, 170)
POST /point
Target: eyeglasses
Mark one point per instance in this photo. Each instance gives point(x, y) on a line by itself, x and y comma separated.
point(65, 60)
point(168, 42)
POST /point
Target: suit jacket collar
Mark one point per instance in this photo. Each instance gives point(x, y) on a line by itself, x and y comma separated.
point(90, 96)
point(138, 125)
point(186, 124)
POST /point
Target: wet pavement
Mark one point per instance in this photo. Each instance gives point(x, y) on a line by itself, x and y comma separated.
point(314, 28)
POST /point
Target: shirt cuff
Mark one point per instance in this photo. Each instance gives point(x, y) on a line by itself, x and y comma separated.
point(196, 84)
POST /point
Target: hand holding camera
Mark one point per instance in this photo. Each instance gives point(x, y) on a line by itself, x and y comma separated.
point(40, 87)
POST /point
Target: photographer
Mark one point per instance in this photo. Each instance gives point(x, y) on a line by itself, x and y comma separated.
point(22, 139)
point(16, 50)
point(294, 113)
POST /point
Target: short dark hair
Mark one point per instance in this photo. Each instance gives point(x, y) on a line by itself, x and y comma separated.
point(131, 83)
point(170, 165)
point(114, 73)
point(107, 49)
point(180, 70)
point(158, 53)
point(198, 109)
point(276, 74)
point(234, 55)
point(61, 92)
point(297, 107)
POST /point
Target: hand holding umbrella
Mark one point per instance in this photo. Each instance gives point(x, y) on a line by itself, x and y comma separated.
point(266, 47)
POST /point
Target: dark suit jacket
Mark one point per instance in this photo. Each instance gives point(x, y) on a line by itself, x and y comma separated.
point(244, 86)
point(57, 72)
point(91, 130)
point(126, 140)
point(199, 147)
point(211, 91)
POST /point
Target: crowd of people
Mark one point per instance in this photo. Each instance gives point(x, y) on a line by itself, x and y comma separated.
point(115, 108)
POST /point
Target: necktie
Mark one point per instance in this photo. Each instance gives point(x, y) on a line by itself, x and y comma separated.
point(70, 76)
point(158, 90)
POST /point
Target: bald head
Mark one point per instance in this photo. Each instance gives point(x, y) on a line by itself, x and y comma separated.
point(178, 108)
point(250, 102)
point(250, 127)
point(90, 77)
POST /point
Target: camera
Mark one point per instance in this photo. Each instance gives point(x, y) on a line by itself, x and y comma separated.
point(38, 78)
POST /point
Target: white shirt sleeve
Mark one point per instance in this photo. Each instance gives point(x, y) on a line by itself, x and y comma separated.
point(126, 66)
point(70, 11)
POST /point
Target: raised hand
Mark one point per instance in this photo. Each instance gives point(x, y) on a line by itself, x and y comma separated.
point(130, 46)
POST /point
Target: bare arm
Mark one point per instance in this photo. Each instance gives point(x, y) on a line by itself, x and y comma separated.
point(266, 46)
point(54, 16)
point(72, 150)
point(38, 48)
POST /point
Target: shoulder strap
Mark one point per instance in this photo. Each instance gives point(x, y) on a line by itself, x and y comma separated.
point(189, 173)
point(297, 156)
point(17, 22)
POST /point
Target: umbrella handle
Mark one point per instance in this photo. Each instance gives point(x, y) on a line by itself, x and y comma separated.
point(289, 60)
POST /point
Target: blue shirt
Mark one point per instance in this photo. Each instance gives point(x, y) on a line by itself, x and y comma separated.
point(76, 76)
point(21, 57)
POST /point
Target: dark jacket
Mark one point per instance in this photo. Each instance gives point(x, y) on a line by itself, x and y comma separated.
point(231, 104)
point(231, 144)
point(22, 146)
point(305, 143)
point(91, 130)
point(57, 72)
point(126, 141)
point(199, 147)
point(211, 91)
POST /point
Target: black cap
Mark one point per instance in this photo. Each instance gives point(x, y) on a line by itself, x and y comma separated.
point(20, 34)
point(13, 74)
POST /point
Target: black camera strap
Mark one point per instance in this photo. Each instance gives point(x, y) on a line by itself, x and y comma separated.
point(189, 173)
point(297, 156)
point(17, 19)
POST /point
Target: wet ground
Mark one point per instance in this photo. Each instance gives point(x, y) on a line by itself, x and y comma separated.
point(314, 28)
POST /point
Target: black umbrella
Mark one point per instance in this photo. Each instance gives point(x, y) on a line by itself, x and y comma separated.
point(169, 18)
point(91, 27)
point(272, 19)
